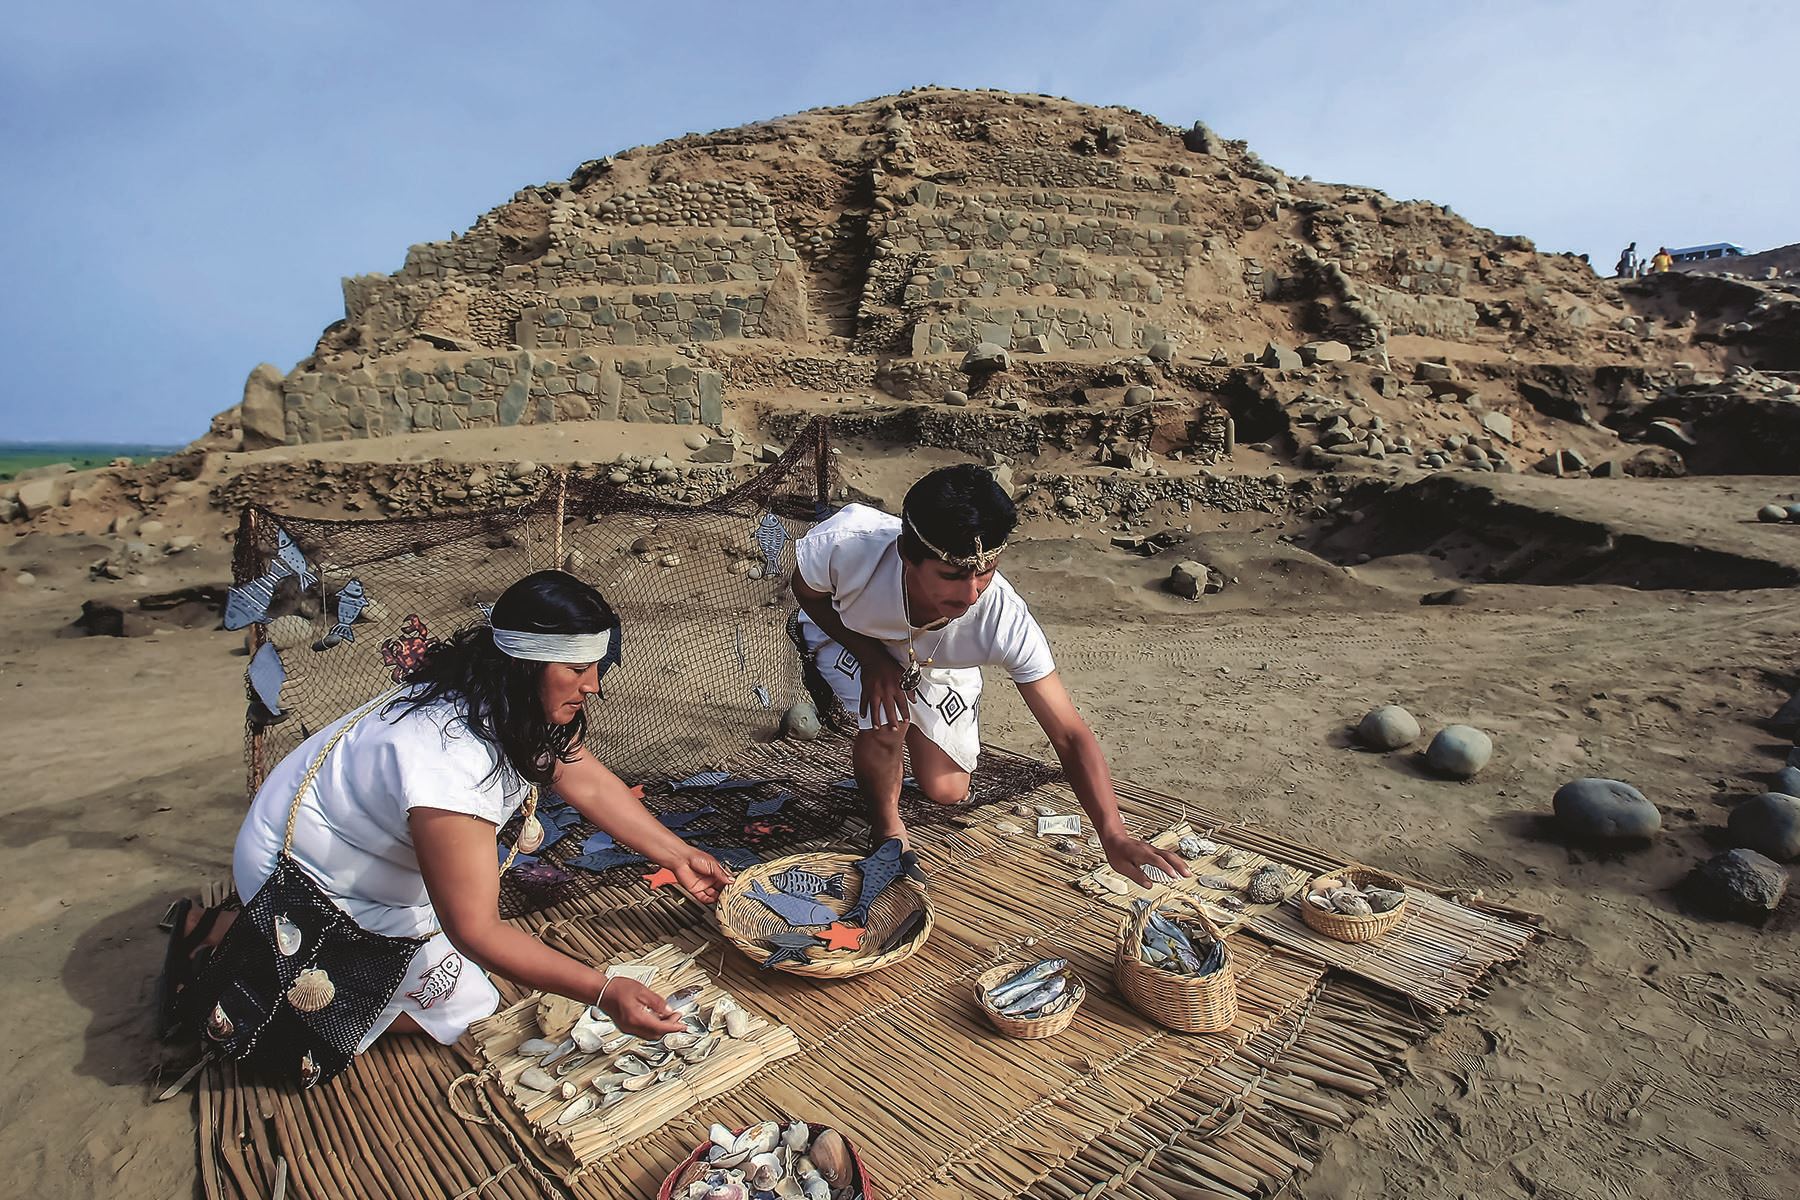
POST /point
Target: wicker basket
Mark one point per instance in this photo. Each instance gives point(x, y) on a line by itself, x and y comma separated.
point(1348, 927)
point(1025, 1027)
point(745, 920)
point(693, 1169)
point(1186, 1003)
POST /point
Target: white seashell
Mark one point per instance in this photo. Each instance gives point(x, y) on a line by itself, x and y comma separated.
point(788, 1188)
point(578, 1108)
point(288, 937)
point(813, 1186)
point(533, 1047)
point(611, 1096)
point(737, 1023)
point(631, 1064)
point(760, 1138)
point(684, 1000)
point(573, 1063)
point(609, 1083)
point(672, 1073)
point(312, 990)
point(1318, 900)
point(765, 1171)
point(796, 1136)
point(679, 1041)
point(831, 1158)
point(1008, 827)
point(637, 1083)
point(567, 1090)
point(218, 1025)
point(531, 835)
point(615, 1044)
point(1204, 847)
point(309, 1069)
point(702, 1049)
point(537, 1079)
point(563, 1049)
point(655, 1056)
point(1384, 899)
point(1231, 858)
point(721, 1136)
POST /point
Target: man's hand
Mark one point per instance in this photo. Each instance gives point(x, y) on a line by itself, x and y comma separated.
point(700, 875)
point(1129, 855)
point(883, 699)
point(637, 1010)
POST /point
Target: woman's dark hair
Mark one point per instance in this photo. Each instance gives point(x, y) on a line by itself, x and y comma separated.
point(498, 694)
point(950, 506)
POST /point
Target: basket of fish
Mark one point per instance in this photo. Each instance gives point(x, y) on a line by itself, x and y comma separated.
point(828, 916)
point(1174, 967)
point(799, 1161)
point(1355, 904)
point(1025, 999)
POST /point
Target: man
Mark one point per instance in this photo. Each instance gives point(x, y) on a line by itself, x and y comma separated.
point(1663, 261)
point(1628, 262)
point(901, 613)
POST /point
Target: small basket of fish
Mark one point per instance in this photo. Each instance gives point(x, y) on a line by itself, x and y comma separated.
point(1025, 999)
point(1174, 967)
point(828, 916)
point(1355, 904)
point(798, 1161)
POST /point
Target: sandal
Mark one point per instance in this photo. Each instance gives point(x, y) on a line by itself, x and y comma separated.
point(183, 960)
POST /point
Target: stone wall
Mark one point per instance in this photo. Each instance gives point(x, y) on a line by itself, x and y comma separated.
point(981, 274)
point(646, 318)
point(1113, 206)
point(628, 260)
point(1431, 316)
point(720, 203)
point(972, 225)
point(464, 391)
point(1033, 328)
point(1026, 169)
point(1431, 276)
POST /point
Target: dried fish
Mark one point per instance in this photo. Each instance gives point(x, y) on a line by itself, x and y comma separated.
point(1021, 982)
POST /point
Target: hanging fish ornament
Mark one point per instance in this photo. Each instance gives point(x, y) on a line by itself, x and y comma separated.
point(266, 678)
point(771, 538)
point(350, 603)
point(248, 603)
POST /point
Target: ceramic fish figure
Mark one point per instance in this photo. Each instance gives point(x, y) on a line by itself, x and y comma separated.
point(795, 910)
point(879, 870)
point(606, 860)
point(266, 677)
point(763, 806)
point(248, 603)
point(788, 947)
point(771, 538)
point(798, 881)
point(705, 779)
point(735, 857)
point(350, 603)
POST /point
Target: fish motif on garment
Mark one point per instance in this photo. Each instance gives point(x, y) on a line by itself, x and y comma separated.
point(788, 947)
point(797, 911)
point(771, 538)
point(605, 860)
point(350, 603)
point(248, 602)
point(438, 982)
point(763, 806)
point(800, 881)
point(879, 870)
point(266, 677)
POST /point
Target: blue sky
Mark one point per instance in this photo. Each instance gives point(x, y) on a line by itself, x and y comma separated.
point(183, 185)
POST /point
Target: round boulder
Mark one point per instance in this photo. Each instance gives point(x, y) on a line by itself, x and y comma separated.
point(801, 722)
point(1459, 751)
point(1388, 728)
point(1605, 808)
point(985, 357)
point(1787, 781)
point(1771, 512)
point(1768, 824)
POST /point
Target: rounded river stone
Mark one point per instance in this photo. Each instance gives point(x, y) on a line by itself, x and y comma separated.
point(1605, 808)
point(1768, 824)
point(801, 722)
point(1459, 751)
point(1388, 728)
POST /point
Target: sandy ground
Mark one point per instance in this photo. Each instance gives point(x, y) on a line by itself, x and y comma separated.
point(1642, 1052)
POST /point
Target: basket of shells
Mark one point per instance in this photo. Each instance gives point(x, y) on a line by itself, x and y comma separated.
point(1355, 904)
point(828, 916)
point(798, 1161)
point(1172, 965)
point(1026, 999)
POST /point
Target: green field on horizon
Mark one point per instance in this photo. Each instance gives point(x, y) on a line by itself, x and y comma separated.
point(21, 456)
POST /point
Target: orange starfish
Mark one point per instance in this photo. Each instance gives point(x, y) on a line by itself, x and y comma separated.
point(839, 936)
point(661, 878)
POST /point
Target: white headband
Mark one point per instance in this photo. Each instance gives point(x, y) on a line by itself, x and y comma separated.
point(554, 647)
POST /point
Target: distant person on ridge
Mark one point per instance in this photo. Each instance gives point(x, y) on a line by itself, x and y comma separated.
point(901, 613)
point(1663, 261)
point(1628, 262)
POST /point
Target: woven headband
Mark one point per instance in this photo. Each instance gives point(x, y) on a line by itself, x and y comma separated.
point(981, 560)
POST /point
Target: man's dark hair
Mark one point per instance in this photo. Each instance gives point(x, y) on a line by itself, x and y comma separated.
point(497, 693)
point(952, 505)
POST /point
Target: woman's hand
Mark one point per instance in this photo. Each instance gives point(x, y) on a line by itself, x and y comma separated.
point(883, 699)
point(700, 875)
point(637, 1010)
point(1129, 855)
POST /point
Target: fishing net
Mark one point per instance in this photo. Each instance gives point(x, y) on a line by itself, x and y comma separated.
point(342, 608)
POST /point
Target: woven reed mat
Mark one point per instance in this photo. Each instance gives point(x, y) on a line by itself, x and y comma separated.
point(902, 1062)
point(1110, 887)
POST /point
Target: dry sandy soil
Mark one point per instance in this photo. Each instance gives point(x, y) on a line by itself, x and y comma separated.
point(1642, 1051)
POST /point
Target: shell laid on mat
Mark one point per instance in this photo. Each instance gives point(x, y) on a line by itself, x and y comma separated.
point(795, 1137)
point(631, 1064)
point(535, 1047)
point(312, 990)
point(578, 1108)
point(831, 1158)
point(685, 999)
point(637, 1083)
point(1266, 886)
point(537, 1079)
point(1215, 883)
point(611, 1096)
point(737, 1023)
point(288, 937)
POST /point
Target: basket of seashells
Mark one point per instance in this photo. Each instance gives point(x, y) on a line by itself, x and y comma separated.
point(828, 916)
point(798, 1161)
point(1354, 904)
point(1172, 964)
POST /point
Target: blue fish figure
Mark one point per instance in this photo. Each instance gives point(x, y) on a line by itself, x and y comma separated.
point(248, 603)
point(681, 820)
point(559, 814)
point(735, 857)
point(763, 806)
point(788, 947)
point(266, 677)
point(598, 842)
point(795, 910)
point(879, 870)
point(350, 603)
point(849, 785)
point(606, 860)
point(771, 537)
point(722, 781)
point(798, 881)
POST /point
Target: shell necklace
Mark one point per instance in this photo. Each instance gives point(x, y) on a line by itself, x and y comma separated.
point(914, 674)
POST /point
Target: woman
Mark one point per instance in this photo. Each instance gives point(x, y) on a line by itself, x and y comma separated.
point(398, 825)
